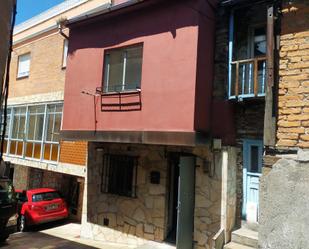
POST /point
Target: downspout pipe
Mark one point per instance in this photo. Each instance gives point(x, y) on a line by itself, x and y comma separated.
point(60, 25)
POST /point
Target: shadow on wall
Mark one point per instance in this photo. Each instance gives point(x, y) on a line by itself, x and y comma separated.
point(118, 27)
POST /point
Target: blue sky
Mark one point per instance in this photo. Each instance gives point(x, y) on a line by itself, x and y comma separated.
point(29, 8)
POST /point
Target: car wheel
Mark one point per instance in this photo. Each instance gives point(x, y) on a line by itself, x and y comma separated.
point(22, 223)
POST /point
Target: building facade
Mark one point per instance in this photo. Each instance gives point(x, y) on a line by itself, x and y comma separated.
point(139, 90)
point(38, 157)
point(6, 23)
point(261, 70)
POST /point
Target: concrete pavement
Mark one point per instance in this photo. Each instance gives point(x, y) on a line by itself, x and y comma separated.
point(65, 236)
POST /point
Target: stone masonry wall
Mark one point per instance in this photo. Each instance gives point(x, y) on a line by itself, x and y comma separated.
point(293, 117)
point(207, 213)
point(131, 220)
point(21, 176)
point(134, 220)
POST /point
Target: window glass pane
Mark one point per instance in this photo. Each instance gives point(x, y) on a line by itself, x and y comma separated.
point(31, 127)
point(57, 125)
point(29, 149)
point(19, 123)
point(21, 130)
point(23, 65)
point(47, 150)
point(13, 147)
point(133, 68)
point(37, 109)
point(51, 108)
point(15, 127)
point(115, 71)
point(54, 155)
point(59, 108)
point(37, 151)
point(5, 146)
point(260, 41)
point(39, 127)
point(19, 148)
point(48, 196)
point(255, 159)
point(49, 133)
point(8, 118)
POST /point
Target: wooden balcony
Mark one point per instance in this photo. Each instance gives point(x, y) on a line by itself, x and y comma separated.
point(247, 78)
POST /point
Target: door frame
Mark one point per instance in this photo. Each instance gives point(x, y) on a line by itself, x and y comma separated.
point(247, 143)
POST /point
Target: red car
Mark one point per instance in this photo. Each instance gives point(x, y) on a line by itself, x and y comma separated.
point(37, 206)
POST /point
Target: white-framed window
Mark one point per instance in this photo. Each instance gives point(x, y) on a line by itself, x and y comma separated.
point(7, 130)
point(18, 131)
point(53, 125)
point(23, 65)
point(33, 131)
point(65, 53)
point(123, 69)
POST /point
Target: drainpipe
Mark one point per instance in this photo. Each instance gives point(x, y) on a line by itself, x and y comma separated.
point(60, 24)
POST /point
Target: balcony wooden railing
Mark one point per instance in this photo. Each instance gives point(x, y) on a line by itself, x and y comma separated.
point(247, 78)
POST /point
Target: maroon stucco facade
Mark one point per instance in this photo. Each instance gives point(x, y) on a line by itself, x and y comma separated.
point(177, 68)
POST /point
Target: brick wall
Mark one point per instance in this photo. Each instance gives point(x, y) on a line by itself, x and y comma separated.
point(46, 73)
point(293, 117)
point(73, 152)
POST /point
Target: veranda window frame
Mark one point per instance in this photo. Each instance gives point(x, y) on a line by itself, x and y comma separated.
point(25, 139)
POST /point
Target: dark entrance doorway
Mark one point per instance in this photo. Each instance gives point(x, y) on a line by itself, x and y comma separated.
point(173, 199)
point(181, 201)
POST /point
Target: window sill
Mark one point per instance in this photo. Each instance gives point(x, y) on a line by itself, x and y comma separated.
point(22, 77)
point(121, 92)
point(31, 159)
point(242, 97)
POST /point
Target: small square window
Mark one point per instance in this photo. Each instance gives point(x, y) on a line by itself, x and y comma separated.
point(23, 65)
point(123, 69)
point(119, 175)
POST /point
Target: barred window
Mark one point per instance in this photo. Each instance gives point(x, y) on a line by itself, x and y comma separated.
point(119, 175)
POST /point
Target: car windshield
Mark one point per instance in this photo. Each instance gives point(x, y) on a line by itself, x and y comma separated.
point(47, 196)
point(7, 194)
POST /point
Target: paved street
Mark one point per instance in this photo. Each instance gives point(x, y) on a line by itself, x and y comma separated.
point(61, 235)
point(38, 240)
point(57, 235)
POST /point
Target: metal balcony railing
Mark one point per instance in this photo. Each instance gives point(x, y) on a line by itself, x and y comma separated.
point(120, 101)
point(247, 78)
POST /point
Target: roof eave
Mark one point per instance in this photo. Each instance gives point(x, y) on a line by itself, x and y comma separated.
point(109, 8)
